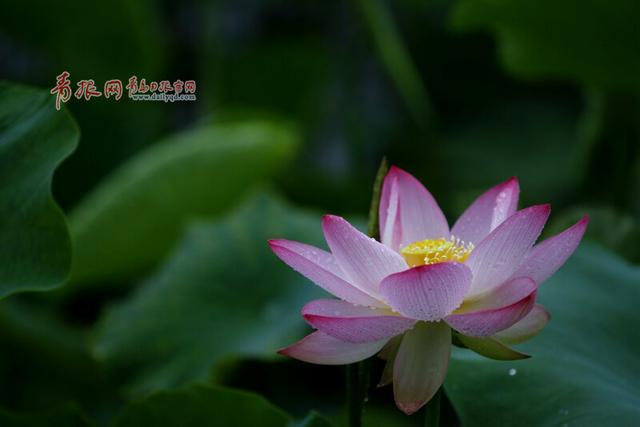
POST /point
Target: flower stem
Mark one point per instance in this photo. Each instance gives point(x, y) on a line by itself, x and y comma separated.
point(358, 373)
point(396, 59)
point(432, 411)
point(357, 393)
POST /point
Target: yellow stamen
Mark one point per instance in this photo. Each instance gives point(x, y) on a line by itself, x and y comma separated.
point(436, 250)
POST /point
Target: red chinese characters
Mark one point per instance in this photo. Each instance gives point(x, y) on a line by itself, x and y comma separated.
point(62, 90)
point(143, 87)
point(113, 88)
point(137, 90)
point(132, 86)
point(178, 86)
point(86, 89)
point(165, 86)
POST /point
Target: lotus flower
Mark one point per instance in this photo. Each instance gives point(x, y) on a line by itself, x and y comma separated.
point(402, 297)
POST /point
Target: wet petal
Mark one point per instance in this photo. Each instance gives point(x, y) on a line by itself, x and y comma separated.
point(528, 327)
point(320, 267)
point(488, 322)
point(427, 292)
point(390, 232)
point(421, 365)
point(349, 323)
point(408, 212)
point(324, 349)
point(508, 293)
point(487, 212)
point(548, 256)
point(499, 255)
point(364, 260)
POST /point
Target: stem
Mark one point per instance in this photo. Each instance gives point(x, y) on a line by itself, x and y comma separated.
point(610, 151)
point(357, 392)
point(353, 399)
point(432, 411)
point(396, 59)
point(358, 374)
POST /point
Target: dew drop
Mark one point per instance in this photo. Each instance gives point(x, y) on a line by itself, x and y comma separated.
point(512, 372)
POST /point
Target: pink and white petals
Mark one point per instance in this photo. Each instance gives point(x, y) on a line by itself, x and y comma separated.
point(323, 349)
point(320, 267)
point(408, 212)
point(499, 255)
point(364, 260)
point(427, 292)
point(508, 293)
point(548, 256)
point(491, 348)
point(487, 212)
point(487, 322)
point(421, 364)
point(389, 214)
point(526, 328)
point(409, 316)
point(354, 324)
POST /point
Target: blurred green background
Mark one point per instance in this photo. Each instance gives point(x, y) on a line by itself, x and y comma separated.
point(157, 271)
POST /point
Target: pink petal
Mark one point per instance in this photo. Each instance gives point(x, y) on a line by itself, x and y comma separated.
point(488, 322)
point(408, 212)
point(350, 323)
point(504, 295)
point(390, 231)
point(323, 349)
point(528, 327)
point(427, 292)
point(491, 348)
point(364, 261)
point(548, 256)
point(320, 267)
point(421, 365)
point(499, 255)
point(487, 212)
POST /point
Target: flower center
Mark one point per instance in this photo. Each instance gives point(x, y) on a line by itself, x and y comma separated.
point(432, 251)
